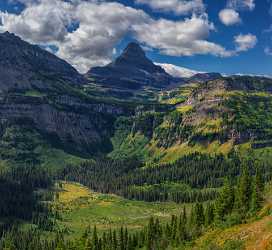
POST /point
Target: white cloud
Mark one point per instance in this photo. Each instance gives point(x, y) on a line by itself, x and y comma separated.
point(179, 7)
point(177, 71)
point(181, 38)
point(241, 4)
point(229, 17)
point(102, 25)
point(245, 42)
point(41, 23)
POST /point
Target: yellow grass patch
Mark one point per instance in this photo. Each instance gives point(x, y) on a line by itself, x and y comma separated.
point(184, 108)
point(71, 192)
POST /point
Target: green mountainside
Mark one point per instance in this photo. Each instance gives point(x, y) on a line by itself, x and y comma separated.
point(217, 117)
point(89, 165)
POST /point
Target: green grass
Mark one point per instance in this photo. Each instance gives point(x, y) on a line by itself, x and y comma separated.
point(81, 208)
point(34, 93)
point(133, 145)
point(54, 159)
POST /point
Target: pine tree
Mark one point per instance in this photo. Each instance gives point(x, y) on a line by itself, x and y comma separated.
point(122, 239)
point(199, 214)
point(88, 245)
point(256, 197)
point(225, 201)
point(244, 192)
point(209, 214)
point(259, 179)
point(95, 242)
point(182, 226)
point(114, 239)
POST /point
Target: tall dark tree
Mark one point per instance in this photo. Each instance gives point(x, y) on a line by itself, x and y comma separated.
point(244, 192)
point(225, 201)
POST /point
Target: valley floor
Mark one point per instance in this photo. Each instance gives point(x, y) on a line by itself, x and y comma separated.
point(80, 208)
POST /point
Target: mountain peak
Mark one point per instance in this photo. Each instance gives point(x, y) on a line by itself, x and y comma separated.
point(134, 57)
point(133, 49)
point(132, 69)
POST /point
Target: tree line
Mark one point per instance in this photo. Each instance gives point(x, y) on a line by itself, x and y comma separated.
point(202, 173)
point(19, 197)
point(240, 201)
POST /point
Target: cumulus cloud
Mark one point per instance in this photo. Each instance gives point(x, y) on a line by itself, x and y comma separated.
point(179, 7)
point(229, 17)
point(241, 4)
point(245, 42)
point(87, 32)
point(179, 38)
point(41, 23)
point(101, 27)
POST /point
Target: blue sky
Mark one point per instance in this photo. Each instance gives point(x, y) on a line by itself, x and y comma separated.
point(227, 36)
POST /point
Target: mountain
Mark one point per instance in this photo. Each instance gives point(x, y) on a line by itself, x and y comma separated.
point(216, 116)
point(24, 66)
point(204, 77)
point(42, 99)
point(131, 70)
point(178, 72)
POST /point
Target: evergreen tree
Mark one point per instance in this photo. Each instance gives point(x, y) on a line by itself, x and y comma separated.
point(256, 197)
point(244, 192)
point(95, 243)
point(199, 214)
point(209, 214)
point(225, 201)
point(259, 179)
point(88, 245)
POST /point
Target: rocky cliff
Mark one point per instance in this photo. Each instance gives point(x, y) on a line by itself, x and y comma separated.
point(67, 121)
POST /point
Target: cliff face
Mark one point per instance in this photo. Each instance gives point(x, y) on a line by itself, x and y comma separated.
point(84, 127)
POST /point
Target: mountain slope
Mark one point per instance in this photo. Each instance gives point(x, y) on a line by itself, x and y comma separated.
point(132, 70)
point(218, 116)
point(41, 97)
point(24, 66)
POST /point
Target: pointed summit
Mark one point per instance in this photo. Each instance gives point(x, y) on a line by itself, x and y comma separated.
point(134, 56)
point(132, 69)
point(132, 49)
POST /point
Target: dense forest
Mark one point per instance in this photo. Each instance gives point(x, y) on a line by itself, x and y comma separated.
point(193, 178)
point(22, 197)
point(233, 205)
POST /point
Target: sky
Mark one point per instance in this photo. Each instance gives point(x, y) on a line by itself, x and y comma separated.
point(226, 36)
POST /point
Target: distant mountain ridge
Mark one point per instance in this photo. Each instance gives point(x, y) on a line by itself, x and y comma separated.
point(132, 70)
point(177, 71)
point(24, 66)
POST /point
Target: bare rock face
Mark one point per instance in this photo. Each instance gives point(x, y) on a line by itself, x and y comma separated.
point(24, 66)
point(85, 127)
